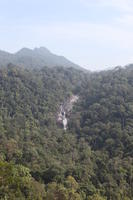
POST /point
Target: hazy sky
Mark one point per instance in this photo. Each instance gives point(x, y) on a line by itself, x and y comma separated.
point(96, 34)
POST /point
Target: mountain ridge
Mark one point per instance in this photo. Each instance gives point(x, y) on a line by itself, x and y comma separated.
point(35, 58)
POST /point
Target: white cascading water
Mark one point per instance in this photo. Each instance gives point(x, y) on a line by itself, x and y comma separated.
point(66, 108)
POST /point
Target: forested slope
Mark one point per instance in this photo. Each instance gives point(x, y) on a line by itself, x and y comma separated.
point(92, 160)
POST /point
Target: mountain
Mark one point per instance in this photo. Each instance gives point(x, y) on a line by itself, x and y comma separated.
point(90, 160)
point(36, 58)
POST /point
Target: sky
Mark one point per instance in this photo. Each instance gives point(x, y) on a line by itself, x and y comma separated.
point(96, 34)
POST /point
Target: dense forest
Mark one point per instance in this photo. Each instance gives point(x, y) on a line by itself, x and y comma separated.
point(91, 160)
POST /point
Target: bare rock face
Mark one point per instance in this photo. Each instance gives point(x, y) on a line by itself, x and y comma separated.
point(65, 109)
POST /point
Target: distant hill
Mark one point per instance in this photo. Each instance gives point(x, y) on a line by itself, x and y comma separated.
point(36, 58)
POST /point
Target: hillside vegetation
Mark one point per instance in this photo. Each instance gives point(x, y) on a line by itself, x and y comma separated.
point(91, 160)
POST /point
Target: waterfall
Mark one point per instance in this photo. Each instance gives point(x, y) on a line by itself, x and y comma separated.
point(64, 109)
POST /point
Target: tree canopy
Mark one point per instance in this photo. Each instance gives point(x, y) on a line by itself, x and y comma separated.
point(91, 160)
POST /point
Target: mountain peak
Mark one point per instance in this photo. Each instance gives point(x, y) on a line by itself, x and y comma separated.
point(35, 58)
point(24, 50)
point(42, 50)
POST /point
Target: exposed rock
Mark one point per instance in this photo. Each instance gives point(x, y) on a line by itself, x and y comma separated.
point(65, 109)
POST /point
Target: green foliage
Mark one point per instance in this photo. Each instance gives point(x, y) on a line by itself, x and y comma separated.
point(16, 182)
point(96, 197)
point(93, 159)
point(60, 192)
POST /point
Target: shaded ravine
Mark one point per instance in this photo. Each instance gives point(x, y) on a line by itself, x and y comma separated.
point(65, 109)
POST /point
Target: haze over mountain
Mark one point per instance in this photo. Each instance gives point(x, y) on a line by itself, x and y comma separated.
point(36, 58)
